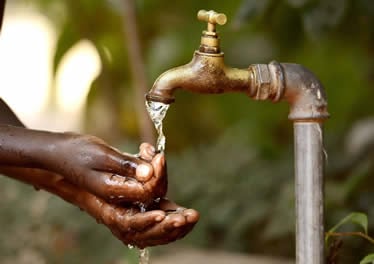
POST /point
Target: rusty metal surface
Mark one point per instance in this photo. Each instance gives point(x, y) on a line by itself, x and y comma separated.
point(207, 73)
point(292, 83)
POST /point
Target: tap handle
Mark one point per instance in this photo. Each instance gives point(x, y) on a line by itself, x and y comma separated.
point(212, 18)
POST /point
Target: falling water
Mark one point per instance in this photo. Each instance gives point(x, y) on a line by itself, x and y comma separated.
point(144, 256)
point(143, 253)
point(157, 112)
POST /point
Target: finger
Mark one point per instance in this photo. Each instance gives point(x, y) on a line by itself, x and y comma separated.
point(156, 186)
point(143, 221)
point(175, 220)
point(191, 215)
point(144, 172)
point(114, 188)
point(127, 165)
point(167, 205)
point(162, 229)
point(147, 151)
point(163, 233)
point(159, 164)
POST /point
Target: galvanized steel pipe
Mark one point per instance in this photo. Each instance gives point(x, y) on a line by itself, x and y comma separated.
point(309, 192)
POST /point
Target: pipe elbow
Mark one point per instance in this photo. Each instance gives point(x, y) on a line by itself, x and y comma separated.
point(292, 83)
point(304, 93)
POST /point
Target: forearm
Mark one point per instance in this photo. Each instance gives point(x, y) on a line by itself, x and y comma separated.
point(22, 147)
point(45, 180)
point(57, 185)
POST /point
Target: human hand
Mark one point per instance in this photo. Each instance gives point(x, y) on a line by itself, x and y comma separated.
point(91, 164)
point(164, 223)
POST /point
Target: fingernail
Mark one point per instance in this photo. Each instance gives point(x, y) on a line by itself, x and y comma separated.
point(177, 224)
point(153, 149)
point(159, 218)
point(143, 172)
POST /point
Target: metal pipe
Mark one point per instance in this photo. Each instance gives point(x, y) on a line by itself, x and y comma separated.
point(293, 83)
point(309, 192)
point(308, 109)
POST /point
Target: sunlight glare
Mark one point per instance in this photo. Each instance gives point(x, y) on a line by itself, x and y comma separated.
point(26, 44)
point(78, 68)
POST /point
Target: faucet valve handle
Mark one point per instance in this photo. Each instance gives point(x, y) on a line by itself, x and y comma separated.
point(212, 18)
point(210, 39)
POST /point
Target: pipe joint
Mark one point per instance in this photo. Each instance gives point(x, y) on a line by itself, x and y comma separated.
point(267, 81)
point(294, 84)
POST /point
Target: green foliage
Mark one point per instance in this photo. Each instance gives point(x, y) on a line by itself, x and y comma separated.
point(358, 218)
point(369, 259)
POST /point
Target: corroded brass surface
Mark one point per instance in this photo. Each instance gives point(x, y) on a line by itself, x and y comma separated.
point(212, 17)
point(210, 39)
point(206, 73)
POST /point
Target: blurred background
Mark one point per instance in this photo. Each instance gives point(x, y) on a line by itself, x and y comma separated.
point(84, 65)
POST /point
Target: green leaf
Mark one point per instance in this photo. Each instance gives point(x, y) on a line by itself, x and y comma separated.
point(355, 217)
point(369, 259)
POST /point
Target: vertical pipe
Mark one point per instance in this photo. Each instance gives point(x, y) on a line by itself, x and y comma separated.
point(309, 166)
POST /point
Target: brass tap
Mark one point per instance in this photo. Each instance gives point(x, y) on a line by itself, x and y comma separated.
point(208, 74)
point(210, 39)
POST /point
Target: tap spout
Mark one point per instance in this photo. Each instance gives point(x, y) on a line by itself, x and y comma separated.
point(206, 74)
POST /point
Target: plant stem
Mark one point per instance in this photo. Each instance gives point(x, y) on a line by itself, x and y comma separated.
point(360, 234)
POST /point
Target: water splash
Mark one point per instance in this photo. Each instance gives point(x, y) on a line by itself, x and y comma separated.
point(157, 112)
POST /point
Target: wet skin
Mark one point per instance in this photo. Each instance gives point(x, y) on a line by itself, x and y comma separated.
point(99, 179)
point(165, 222)
point(85, 161)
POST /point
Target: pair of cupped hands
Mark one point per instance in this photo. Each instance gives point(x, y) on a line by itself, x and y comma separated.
point(125, 192)
point(111, 186)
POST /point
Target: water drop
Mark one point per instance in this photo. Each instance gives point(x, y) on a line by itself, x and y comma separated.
point(130, 246)
point(142, 207)
point(143, 256)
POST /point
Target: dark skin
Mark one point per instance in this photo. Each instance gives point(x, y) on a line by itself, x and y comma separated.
point(85, 161)
point(99, 179)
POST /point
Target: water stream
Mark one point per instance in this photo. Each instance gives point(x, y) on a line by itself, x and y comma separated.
point(157, 112)
point(144, 256)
